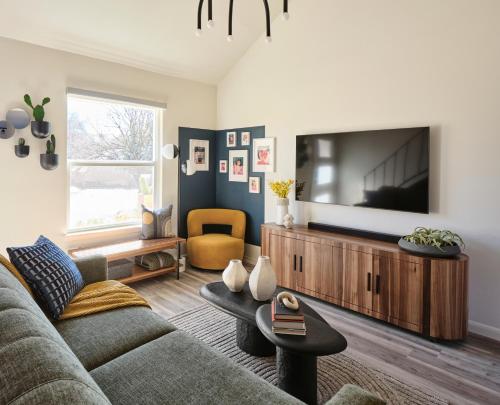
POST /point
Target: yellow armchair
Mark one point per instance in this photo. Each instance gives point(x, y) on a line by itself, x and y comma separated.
point(213, 251)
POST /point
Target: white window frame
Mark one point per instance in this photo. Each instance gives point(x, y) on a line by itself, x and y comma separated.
point(156, 164)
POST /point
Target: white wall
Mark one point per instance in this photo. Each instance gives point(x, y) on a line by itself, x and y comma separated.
point(340, 65)
point(33, 201)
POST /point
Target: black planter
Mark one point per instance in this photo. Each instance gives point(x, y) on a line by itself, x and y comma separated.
point(22, 150)
point(40, 129)
point(424, 250)
point(49, 161)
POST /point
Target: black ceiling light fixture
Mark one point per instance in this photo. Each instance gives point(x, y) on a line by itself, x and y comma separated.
point(210, 22)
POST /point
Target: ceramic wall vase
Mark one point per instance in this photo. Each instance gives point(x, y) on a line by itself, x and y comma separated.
point(262, 280)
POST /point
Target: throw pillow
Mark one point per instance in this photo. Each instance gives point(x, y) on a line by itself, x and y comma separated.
point(156, 223)
point(155, 261)
point(9, 266)
point(50, 273)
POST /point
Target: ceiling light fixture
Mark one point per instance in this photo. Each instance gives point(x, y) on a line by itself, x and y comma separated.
point(210, 22)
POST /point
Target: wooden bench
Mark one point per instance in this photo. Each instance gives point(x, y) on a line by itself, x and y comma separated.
point(126, 250)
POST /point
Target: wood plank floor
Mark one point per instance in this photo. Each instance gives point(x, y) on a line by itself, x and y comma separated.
point(463, 373)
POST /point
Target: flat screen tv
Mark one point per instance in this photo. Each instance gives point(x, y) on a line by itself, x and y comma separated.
point(387, 169)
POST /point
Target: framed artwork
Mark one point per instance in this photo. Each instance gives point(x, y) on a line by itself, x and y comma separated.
point(263, 154)
point(231, 139)
point(238, 165)
point(245, 139)
point(254, 185)
point(222, 166)
point(199, 154)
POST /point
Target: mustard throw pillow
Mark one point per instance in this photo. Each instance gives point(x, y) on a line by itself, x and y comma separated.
point(15, 273)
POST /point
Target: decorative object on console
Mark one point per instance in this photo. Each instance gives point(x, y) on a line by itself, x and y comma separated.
point(229, 37)
point(231, 139)
point(432, 242)
point(288, 300)
point(50, 160)
point(288, 221)
point(263, 155)
point(245, 138)
point(281, 189)
point(238, 165)
point(157, 223)
point(222, 166)
point(18, 117)
point(262, 280)
point(21, 149)
point(199, 154)
point(235, 276)
point(6, 130)
point(39, 127)
point(286, 320)
point(254, 185)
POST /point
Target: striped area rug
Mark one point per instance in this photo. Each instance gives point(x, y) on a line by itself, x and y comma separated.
point(217, 329)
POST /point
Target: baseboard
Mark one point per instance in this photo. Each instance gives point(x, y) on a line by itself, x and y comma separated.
point(484, 330)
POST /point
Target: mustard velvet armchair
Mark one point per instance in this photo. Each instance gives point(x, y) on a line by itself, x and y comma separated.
point(213, 251)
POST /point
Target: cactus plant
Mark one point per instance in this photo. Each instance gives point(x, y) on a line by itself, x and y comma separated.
point(51, 145)
point(38, 110)
point(21, 141)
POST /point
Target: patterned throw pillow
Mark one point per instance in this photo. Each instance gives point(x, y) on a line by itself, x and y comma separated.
point(50, 273)
point(156, 224)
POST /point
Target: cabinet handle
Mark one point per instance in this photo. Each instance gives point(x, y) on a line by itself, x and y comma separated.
point(369, 282)
point(377, 284)
point(294, 262)
point(300, 264)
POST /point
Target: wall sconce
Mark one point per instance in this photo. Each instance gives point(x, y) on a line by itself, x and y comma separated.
point(171, 151)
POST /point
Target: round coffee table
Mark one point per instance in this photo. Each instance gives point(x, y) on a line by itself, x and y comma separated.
point(296, 356)
point(243, 307)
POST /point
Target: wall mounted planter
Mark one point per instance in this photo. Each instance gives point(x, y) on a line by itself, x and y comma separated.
point(40, 129)
point(49, 161)
point(6, 130)
point(18, 117)
point(22, 150)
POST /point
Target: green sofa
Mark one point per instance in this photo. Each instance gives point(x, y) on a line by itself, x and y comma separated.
point(124, 356)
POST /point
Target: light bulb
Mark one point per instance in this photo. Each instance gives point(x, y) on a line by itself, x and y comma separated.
point(286, 16)
point(210, 23)
point(198, 32)
point(229, 38)
point(269, 39)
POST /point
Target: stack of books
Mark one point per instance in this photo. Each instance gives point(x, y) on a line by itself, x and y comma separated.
point(287, 321)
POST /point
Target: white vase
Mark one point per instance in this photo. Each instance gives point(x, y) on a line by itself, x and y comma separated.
point(235, 276)
point(281, 210)
point(262, 280)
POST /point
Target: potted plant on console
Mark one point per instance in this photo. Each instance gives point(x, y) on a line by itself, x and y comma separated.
point(281, 189)
point(39, 127)
point(432, 242)
point(50, 160)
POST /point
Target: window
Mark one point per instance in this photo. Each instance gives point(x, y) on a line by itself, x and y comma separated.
point(113, 161)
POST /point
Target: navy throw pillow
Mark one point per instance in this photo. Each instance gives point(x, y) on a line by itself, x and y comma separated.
point(50, 273)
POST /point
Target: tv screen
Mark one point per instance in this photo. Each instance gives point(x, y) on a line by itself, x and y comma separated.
point(387, 169)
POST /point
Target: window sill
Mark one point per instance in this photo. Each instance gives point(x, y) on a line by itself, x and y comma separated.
point(107, 234)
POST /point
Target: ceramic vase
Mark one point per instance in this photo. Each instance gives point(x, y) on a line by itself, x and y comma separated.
point(262, 280)
point(281, 210)
point(235, 276)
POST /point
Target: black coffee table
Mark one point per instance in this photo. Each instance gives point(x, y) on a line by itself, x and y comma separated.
point(244, 308)
point(296, 356)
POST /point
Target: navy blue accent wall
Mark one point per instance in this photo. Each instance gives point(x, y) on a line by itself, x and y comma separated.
point(197, 191)
point(235, 195)
point(213, 189)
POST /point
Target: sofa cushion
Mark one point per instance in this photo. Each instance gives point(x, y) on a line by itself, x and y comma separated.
point(180, 369)
point(99, 338)
point(36, 365)
point(50, 272)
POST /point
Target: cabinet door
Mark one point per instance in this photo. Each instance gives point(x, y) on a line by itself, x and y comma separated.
point(332, 272)
point(274, 251)
point(309, 266)
point(358, 281)
point(290, 262)
point(399, 292)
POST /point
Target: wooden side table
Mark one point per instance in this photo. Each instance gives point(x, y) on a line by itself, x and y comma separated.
point(124, 250)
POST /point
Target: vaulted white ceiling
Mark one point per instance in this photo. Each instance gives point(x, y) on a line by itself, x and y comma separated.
point(155, 35)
